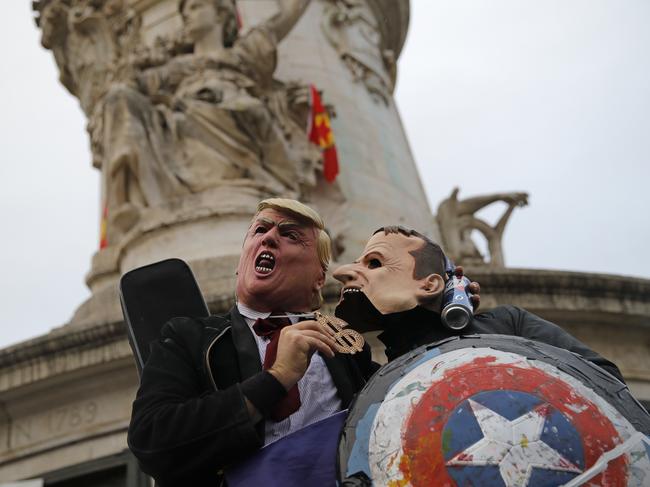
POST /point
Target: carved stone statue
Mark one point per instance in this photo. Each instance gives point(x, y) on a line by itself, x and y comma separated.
point(189, 114)
point(351, 27)
point(82, 41)
point(192, 121)
point(456, 220)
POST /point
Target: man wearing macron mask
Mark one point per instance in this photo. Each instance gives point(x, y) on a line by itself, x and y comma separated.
point(397, 286)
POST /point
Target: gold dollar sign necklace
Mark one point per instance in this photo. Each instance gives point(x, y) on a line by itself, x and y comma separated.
point(347, 340)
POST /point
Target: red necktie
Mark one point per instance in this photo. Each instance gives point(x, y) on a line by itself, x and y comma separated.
point(270, 328)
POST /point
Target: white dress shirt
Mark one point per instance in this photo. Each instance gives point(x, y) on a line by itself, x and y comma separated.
point(318, 395)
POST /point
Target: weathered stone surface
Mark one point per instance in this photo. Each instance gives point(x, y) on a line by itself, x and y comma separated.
point(378, 176)
point(457, 219)
point(352, 28)
point(61, 352)
point(193, 126)
point(191, 122)
point(66, 417)
point(603, 295)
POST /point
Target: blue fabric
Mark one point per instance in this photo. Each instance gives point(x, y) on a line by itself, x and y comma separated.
point(304, 457)
point(358, 460)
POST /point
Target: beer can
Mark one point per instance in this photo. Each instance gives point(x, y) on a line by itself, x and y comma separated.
point(457, 307)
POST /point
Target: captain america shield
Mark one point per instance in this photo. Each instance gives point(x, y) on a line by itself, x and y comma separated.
point(495, 411)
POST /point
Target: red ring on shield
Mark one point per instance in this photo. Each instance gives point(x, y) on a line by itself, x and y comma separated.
point(422, 462)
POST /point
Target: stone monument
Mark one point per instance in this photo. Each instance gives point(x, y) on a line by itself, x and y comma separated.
point(196, 110)
point(457, 219)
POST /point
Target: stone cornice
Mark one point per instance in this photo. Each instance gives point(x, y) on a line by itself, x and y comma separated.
point(59, 341)
point(568, 297)
point(525, 281)
point(70, 339)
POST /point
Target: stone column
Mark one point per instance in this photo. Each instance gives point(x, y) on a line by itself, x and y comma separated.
point(349, 50)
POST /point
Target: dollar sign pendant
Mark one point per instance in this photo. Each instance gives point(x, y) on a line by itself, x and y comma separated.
point(347, 339)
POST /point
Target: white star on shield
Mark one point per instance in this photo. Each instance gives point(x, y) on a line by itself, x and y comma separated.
point(515, 446)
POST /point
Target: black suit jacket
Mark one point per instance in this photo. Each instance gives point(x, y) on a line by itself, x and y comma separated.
point(190, 418)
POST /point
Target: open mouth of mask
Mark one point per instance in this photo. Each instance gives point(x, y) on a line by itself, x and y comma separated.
point(358, 311)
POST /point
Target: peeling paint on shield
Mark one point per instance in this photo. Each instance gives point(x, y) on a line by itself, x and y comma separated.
point(481, 416)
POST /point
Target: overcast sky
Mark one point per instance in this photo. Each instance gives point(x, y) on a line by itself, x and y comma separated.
point(551, 97)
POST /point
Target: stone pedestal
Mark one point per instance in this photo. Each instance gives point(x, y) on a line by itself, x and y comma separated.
point(66, 400)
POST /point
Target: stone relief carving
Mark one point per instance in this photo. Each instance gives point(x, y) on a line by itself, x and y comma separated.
point(352, 29)
point(83, 37)
point(456, 220)
point(196, 111)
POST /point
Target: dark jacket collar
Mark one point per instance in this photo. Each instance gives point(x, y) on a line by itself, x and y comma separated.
point(407, 330)
point(245, 344)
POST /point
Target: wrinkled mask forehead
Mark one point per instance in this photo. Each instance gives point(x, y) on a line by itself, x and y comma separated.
point(284, 220)
point(393, 245)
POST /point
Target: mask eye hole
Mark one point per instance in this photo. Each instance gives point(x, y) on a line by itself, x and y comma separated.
point(374, 263)
point(291, 235)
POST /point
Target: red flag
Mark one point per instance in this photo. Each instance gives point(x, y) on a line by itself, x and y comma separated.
point(321, 134)
point(238, 15)
point(103, 241)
